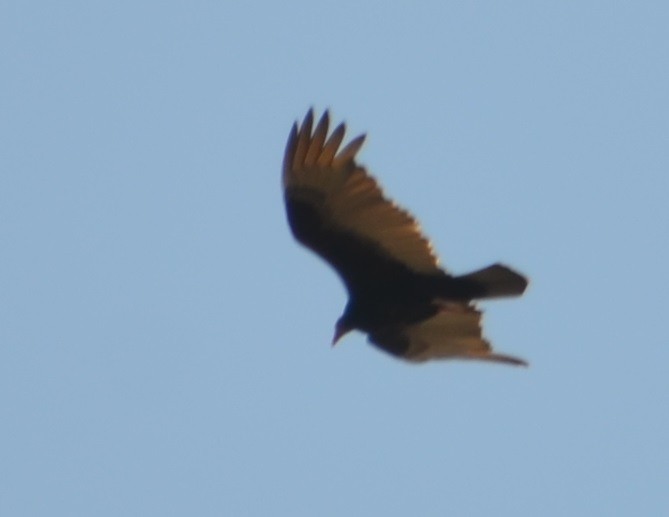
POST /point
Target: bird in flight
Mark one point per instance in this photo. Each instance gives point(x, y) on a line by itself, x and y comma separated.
point(398, 294)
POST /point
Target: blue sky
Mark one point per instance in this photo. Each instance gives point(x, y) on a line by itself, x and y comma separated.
point(164, 343)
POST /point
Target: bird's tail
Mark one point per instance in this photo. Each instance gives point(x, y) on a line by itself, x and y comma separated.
point(490, 282)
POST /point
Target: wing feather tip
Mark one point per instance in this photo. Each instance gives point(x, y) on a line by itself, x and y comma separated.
point(308, 118)
point(349, 152)
point(289, 154)
point(505, 359)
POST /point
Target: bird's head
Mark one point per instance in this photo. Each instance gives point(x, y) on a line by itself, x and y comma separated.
point(342, 327)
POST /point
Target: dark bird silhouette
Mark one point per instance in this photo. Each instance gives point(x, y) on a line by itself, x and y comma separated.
point(398, 294)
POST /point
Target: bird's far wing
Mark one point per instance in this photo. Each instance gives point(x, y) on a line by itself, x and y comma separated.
point(335, 207)
point(454, 332)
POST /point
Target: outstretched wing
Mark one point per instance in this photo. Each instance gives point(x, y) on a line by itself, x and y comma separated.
point(454, 332)
point(339, 211)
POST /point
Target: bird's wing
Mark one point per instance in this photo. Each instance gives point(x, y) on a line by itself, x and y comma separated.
point(339, 211)
point(454, 332)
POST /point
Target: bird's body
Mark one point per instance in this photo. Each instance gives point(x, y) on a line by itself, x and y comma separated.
point(398, 294)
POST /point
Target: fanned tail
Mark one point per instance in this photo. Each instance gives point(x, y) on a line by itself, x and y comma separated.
point(491, 282)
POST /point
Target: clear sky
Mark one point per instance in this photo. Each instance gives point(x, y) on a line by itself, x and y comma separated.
point(164, 342)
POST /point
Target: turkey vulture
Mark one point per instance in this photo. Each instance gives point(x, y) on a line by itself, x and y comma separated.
point(398, 294)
